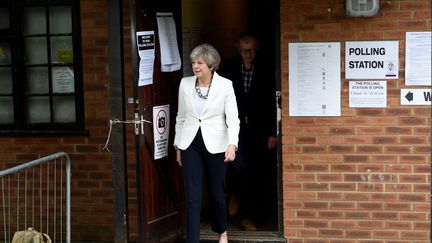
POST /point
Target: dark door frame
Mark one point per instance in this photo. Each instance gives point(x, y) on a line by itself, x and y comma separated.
point(119, 167)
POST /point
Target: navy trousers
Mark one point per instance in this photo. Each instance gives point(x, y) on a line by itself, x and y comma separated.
point(197, 162)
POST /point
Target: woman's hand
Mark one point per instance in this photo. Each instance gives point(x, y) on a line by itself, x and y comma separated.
point(230, 153)
point(178, 157)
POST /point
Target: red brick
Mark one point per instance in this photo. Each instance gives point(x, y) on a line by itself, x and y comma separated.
point(412, 121)
point(398, 149)
point(412, 197)
point(342, 206)
point(386, 234)
point(399, 188)
point(306, 214)
point(399, 130)
point(315, 186)
point(414, 5)
point(425, 14)
point(389, 25)
point(331, 233)
point(329, 177)
point(370, 224)
point(396, 15)
point(422, 130)
point(399, 168)
point(358, 140)
point(370, 206)
point(329, 196)
point(384, 158)
point(369, 35)
point(384, 215)
point(385, 140)
point(371, 129)
point(371, 187)
point(306, 140)
point(384, 196)
point(388, 121)
point(355, 158)
point(358, 234)
point(412, 178)
point(341, 149)
point(422, 168)
point(342, 224)
point(413, 159)
point(314, 149)
point(356, 26)
point(421, 226)
point(343, 186)
point(316, 223)
point(421, 188)
point(397, 206)
point(398, 225)
point(369, 149)
point(343, 168)
point(390, 5)
point(330, 140)
point(413, 139)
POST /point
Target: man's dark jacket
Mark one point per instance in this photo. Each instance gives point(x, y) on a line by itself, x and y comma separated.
point(258, 105)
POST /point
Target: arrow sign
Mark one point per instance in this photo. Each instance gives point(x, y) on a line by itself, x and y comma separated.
point(416, 97)
point(409, 96)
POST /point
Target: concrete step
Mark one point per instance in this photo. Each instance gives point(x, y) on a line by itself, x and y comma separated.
point(244, 237)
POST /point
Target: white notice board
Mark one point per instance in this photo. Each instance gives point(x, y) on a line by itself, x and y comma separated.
point(314, 79)
point(418, 58)
point(372, 59)
point(368, 94)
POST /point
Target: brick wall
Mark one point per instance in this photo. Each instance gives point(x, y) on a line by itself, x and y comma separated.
point(363, 176)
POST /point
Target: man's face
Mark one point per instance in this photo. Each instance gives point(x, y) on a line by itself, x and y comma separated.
point(247, 49)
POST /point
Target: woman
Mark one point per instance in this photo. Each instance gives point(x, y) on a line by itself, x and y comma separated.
point(206, 138)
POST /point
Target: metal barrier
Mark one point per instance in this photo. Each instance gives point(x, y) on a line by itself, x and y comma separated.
point(37, 194)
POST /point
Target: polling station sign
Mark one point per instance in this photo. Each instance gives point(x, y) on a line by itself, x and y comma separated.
point(372, 59)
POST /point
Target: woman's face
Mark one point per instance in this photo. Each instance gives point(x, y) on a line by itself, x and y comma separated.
point(200, 67)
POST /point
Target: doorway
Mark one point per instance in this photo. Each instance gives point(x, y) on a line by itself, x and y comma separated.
point(219, 23)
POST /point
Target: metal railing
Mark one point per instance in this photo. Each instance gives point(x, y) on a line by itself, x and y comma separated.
point(37, 194)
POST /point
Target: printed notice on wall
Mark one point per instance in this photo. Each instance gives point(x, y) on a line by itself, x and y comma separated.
point(161, 124)
point(170, 55)
point(418, 58)
point(146, 51)
point(314, 79)
point(372, 59)
point(368, 93)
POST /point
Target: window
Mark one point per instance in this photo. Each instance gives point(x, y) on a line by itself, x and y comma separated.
point(40, 67)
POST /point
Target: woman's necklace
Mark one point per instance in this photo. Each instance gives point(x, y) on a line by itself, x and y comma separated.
point(198, 89)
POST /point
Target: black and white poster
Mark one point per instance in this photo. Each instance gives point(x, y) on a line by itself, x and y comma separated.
point(314, 79)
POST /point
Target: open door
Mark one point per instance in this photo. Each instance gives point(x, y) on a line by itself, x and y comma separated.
point(160, 202)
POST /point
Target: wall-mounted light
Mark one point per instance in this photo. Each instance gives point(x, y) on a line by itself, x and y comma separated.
point(362, 8)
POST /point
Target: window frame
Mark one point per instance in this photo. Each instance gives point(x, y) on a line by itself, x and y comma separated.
point(17, 37)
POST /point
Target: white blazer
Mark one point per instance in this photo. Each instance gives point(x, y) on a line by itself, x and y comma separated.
point(219, 120)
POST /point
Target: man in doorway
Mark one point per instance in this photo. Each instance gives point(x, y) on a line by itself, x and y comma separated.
point(252, 176)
